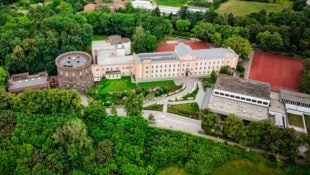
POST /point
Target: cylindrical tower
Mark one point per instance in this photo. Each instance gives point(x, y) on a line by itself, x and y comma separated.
point(74, 71)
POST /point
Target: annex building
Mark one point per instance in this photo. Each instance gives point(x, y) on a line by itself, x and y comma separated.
point(248, 99)
point(113, 61)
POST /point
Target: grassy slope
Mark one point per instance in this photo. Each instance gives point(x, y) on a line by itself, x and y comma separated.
point(173, 171)
point(242, 8)
point(245, 167)
point(307, 119)
point(174, 3)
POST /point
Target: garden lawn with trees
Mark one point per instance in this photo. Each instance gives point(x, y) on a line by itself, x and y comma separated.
point(116, 91)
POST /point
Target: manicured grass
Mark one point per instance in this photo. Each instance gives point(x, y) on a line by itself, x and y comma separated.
point(99, 37)
point(242, 8)
point(174, 3)
point(154, 107)
point(187, 110)
point(245, 167)
point(125, 84)
point(295, 120)
point(307, 119)
point(173, 171)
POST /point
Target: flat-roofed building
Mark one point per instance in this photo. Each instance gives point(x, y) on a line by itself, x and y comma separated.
point(19, 82)
point(295, 102)
point(247, 99)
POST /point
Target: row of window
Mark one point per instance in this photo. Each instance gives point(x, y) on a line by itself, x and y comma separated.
point(240, 98)
point(177, 65)
point(73, 73)
point(295, 103)
point(169, 70)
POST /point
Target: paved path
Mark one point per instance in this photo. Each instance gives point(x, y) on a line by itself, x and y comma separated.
point(247, 65)
point(188, 125)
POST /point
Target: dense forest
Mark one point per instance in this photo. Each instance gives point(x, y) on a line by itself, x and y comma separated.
point(59, 136)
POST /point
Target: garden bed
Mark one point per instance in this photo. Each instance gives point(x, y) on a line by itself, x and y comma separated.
point(190, 110)
point(154, 107)
point(295, 120)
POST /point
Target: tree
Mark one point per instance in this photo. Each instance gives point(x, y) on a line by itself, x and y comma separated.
point(113, 110)
point(233, 127)
point(305, 83)
point(211, 123)
point(104, 151)
point(225, 70)
point(156, 12)
point(6, 101)
point(268, 41)
point(213, 77)
point(203, 30)
point(134, 104)
point(3, 75)
point(182, 25)
point(74, 138)
point(216, 38)
point(143, 41)
point(7, 123)
point(240, 45)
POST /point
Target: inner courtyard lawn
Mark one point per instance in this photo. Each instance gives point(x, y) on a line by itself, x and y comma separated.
point(242, 8)
point(295, 120)
point(246, 167)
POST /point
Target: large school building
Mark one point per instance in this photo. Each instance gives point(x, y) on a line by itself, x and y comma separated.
point(112, 62)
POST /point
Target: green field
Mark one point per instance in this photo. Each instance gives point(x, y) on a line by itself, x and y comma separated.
point(174, 3)
point(173, 171)
point(245, 167)
point(295, 120)
point(125, 84)
point(242, 8)
point(191, 95)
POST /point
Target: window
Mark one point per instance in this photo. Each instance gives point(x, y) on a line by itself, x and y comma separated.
point(232, 96)
point(216, 92)
point(222, 93)
point(248, 99)
point(254, 101)
point(260, 102)
point(97, 69)
point(265, 103)
point(146, 67)
point(242, 98)
point(227, 95)
point(237, 97)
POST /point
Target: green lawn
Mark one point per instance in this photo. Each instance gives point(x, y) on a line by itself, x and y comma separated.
point(99, 37)
point(174, 3)
point(125, 84)
point(295, 120)
point(173, 171)
point(307, 119)
point(245, 167)
point(187, 110)
point(242, 8)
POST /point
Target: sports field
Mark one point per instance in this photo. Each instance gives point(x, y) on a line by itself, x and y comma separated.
point(164, 47)
point(282, 72)
point(242, 8)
